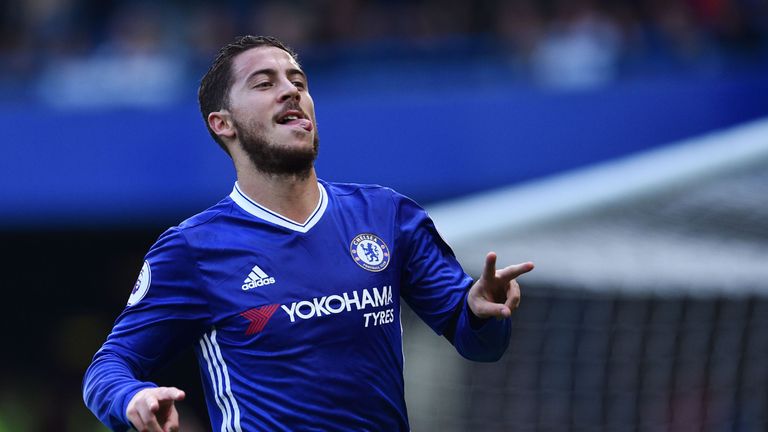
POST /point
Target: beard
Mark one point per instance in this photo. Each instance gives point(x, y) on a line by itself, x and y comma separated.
point(274, 159)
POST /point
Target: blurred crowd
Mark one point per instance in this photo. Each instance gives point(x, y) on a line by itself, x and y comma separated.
point(74, 52)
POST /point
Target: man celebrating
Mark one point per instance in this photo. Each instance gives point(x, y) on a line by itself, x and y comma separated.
point(290, 287)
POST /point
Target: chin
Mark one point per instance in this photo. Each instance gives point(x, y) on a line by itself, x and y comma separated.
point(306, 141)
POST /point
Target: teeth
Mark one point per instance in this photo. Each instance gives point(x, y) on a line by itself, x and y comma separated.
point(289, 118)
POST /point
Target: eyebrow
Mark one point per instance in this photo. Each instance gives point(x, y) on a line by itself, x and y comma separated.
point(273, 72)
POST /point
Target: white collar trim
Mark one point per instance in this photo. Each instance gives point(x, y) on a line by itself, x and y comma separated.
point(268, 215)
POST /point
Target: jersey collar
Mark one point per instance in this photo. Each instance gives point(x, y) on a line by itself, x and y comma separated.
point(268, 215)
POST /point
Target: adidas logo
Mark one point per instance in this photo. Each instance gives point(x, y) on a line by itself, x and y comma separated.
point(257, 278)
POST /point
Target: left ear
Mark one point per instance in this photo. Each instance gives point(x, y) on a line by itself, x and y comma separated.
point(221, 124)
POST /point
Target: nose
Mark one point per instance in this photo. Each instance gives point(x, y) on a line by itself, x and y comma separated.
point(288, 91)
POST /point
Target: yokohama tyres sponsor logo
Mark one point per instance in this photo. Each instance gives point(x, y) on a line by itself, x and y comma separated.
point(334, 304)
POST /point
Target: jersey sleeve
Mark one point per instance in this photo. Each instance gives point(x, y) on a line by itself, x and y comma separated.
point(166, 311)
point(435, 286)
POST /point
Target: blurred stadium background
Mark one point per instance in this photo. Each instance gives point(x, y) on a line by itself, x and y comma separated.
point(621, 145)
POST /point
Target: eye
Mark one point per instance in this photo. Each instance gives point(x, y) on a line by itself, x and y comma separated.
point(263, 84)
point(299, 84)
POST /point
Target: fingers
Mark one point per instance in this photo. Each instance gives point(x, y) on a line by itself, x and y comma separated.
point(505, 274)
point(513, 295)
point(172, 424)
point(483, 308)
point(169, 393)
point(515, 270)
point(150, 420)
point(489, 271)
point(136, 421)
point(136, 404)
point(153, 410)
point(497, 293)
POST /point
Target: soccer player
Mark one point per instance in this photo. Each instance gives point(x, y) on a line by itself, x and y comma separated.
point(289, 288)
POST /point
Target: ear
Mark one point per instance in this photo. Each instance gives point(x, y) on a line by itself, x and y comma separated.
point(221, 124)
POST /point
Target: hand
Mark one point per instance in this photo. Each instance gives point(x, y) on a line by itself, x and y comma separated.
point(496, 293)
point(153, 409)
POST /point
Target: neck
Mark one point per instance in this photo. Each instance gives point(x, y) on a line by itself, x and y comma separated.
point(292, 196)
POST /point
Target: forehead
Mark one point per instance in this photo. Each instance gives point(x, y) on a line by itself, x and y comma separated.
point(259, 58)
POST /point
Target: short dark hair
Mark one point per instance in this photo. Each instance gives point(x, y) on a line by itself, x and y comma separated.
point(213, 93)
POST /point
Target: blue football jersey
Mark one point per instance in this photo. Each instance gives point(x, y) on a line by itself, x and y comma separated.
point(296, 326)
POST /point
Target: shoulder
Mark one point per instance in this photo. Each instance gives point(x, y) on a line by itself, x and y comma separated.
point(209, 216)
point(199, 229)
point(374, 198)
point(336, 189)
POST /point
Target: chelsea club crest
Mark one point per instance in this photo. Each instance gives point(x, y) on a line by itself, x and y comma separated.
point(370, 252)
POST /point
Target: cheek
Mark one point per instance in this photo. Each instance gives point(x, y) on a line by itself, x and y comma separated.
point(249, 124)
point(251, 105)
point(250, 116)
point(308, 105)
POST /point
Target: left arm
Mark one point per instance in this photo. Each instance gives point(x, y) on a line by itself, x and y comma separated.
point(495, 295)
point(444, 296)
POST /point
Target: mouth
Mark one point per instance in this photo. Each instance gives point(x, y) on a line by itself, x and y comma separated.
point(294, 118)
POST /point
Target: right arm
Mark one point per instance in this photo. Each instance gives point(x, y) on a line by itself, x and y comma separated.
point(165, 312)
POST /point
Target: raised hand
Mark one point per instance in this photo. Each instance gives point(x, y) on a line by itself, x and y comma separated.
point(496, 293)
point(154, 409)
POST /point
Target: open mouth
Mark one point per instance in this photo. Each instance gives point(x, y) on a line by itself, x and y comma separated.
point(295, 118)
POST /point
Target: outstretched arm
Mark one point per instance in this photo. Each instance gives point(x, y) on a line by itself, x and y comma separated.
point(114, 386)
point(165, 314)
